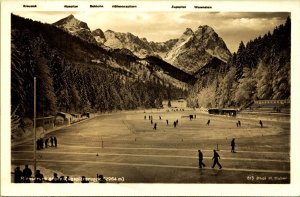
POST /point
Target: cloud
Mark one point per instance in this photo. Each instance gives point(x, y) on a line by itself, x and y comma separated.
point(237, 15)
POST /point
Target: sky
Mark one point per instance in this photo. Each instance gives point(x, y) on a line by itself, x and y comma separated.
point(233, 27)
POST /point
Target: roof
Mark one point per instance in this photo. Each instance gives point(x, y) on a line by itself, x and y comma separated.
point(44, 118)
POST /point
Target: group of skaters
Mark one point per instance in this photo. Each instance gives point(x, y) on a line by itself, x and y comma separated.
point(191, 117)
point(239, 124)
point(61, 179)
point(48, 142)
point(25, 176)
point(215, 157)
point(175, 123)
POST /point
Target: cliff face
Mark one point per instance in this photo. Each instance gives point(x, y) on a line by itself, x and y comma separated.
point(196, 49)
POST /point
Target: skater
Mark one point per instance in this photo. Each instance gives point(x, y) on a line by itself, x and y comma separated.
point(174, 124)
point(208, 122)
point(46, 142)
point(101, 179)
point(200, 157)
point(41, 143)
point(155, 125)
point(149, 117)
point(151, 121)
point(37, 144)
point(84, 180)
point(216, 158)
point(27, 174)
point(177, 122)
point(18, 175)
point(167, 122)
point(191, 117)
point(239, 122)
point(145, 117)
point(62, 179)
point(159, 117)
point(51, 141)
point(55, 141)
point(69, 180)
point(55, 178)
point(233, 145)
point(195, 116)
point(38, 177)
point(261, 124)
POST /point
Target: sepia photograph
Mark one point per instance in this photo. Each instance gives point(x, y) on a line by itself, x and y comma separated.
point(125, 96)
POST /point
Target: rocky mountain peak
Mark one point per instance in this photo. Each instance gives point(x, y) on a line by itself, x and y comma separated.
point(196, 49)
point(188, 31)
point(70, 16)
point(76, 27)
point(99, 35)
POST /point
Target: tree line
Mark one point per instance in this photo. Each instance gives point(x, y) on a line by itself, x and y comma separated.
point(258, 70)
point(68, 81)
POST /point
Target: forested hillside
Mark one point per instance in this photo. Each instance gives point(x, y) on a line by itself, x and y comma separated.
point(76, 76)
point(258, 70)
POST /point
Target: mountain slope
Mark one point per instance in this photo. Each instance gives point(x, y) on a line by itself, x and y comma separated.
point(74, 75)
point(259, 70)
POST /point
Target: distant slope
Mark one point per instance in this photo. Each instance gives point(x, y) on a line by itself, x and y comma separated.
point(75, 75)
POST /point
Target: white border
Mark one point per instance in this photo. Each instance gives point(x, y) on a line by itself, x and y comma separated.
point(292, 189)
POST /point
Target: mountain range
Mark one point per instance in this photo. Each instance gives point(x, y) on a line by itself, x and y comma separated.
point(80, 70)
point(189, 53)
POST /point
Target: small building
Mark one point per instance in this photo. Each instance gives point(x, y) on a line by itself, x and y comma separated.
point(271, 105)
point(46, 122)
point(176, 103)
point(76, 117)
point(62, 118)
point(226, 112)
point(271, 102)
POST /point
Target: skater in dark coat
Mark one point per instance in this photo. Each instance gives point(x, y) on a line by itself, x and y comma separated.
point(18, 175)
point(55, 141)
point(46, 142)
point(38, 177)
point(51, 141)
point(200, 157)
point(216, 158)
point(27, 174)
point(239, 122)
point(167, 122)
point(41, 143)
point(208, 122)
point(261, 124)
point(174, 124)
point(55, 178)
point(37, 143)
point(155, 125)
point(233, 145)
